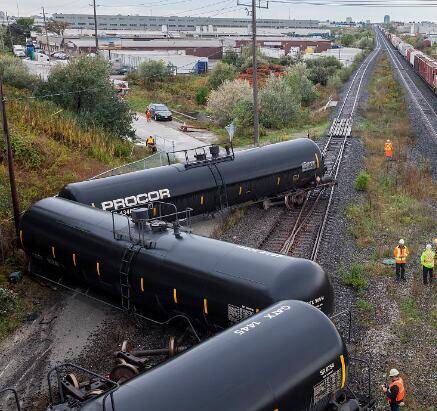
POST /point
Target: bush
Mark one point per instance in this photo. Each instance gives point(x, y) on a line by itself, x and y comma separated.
point(279, 106)
point(202, 95)
point(222, 102)
point(322, 68)
point(301, 86)
point(362, 181)
point(364, 306)
point(232, 57)
point(220, 73)
point(15, 73)
point(150, 72)
point(97, 105)
point(7, 301)
point(243, 116)
point(356, 277)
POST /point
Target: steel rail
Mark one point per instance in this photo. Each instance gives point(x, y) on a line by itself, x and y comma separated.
point(412, 88)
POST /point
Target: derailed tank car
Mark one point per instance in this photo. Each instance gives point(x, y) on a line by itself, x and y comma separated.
point(287, 357)
point(204, 278)
point(212, 183)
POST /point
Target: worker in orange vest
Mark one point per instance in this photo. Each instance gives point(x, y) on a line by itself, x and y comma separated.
point(395, 391)
point(148, 115)
point(400, 253)
point(388, 149)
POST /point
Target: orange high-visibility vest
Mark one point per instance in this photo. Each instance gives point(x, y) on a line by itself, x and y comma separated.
point(401, 254)
point(388, 148)
point(401, 394)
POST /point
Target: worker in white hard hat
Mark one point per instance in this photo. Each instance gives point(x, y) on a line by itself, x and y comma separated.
point(427, 260)
point(395, 391)
point(388, 150)
point(400, 253)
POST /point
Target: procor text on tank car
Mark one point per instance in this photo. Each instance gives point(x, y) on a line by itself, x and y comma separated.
point(287, 357)
point(146, 264)
point(285, 169)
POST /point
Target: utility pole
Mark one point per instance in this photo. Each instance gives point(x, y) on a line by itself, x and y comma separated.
point(254, 5)
point(9, 30)
point(47, 34)
point(14, 196)
point(95, 27)
point(255, 79)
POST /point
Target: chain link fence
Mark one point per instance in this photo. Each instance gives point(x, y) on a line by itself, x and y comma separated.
point(155, 160)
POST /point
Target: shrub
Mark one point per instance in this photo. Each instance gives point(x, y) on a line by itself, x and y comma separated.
point(15, 73)
point(232, 57)
point(279, 104)
point(97, 105)
point(362, 181)
point(222, 102)
point(7, 301)
point(150, 72)
point(243, 116)
point(220, 73)
point(322, 68)
point(363, 305)
point(202, 95)
point(356, 277)
point(301, 86)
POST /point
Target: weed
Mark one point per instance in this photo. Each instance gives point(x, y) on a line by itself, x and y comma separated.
point(362, 181)
point(365, 306)
point(356, 277)
point(409, 309)
point(7, 301)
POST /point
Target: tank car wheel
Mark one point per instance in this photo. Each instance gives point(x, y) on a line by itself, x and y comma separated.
point(93, 393)
point(123, 372)
point(298, 198)
point(72, 379)
point(126, 346)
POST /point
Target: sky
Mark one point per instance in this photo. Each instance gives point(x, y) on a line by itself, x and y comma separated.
point(413, 11)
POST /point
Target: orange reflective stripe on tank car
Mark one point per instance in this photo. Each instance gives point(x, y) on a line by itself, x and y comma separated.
point(142, 284)
point(278, 180)
point(21, 238)
point(343, 371)
point(98, 269)
point(241, 191)
point(317, 160)
point(53, 252)
point(205, 306)
point(201, 200)
point(175, 295)
point(74, 259)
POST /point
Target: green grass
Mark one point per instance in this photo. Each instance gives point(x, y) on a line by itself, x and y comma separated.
point(410, 309)
point(356, 277)
point(362, 181)
point(365, 306)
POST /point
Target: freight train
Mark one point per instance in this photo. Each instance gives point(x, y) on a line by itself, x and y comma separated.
point(289, 357)
point(209, 183)
point(424, 66)
point(144, 263)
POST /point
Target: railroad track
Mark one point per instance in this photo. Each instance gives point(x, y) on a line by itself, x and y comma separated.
point(299, 232)
point(425, 108)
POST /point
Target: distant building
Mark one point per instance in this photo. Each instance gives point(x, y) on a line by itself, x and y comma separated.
point(176, 23)
point(317, 45)
point(348, 19)
point(386, 19)
point(425, 27)
point(367, 21)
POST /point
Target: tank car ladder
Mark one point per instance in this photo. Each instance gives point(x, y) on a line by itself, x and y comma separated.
point(126, 260)
point(221, 186)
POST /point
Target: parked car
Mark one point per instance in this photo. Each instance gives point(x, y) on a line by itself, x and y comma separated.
point(160, 112)
point(19, 51)
point(60, 55)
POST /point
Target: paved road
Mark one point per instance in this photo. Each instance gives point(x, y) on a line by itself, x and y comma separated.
point(168, 137)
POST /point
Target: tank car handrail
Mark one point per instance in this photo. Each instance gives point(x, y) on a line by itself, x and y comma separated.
point(347, 312)
point(230, 155)
point(57, 369)
point(17, 402)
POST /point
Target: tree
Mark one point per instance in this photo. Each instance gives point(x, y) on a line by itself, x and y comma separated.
point(56, 26)
point(347, 40)
point(279, 104)
point(83, 86)
point(202, 95)
point(301, 86)
point(150, 72)
point(25, 23)
point(220, 73)
point(222, 102)
point(321, 68)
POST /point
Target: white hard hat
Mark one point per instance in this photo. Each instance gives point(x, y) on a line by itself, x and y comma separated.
point(388, 141)
point(428, 246)
point(401, 241)
point(394, 372)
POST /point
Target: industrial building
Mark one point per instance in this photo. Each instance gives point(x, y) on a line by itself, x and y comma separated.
point(176, 23)
point(305, 44)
